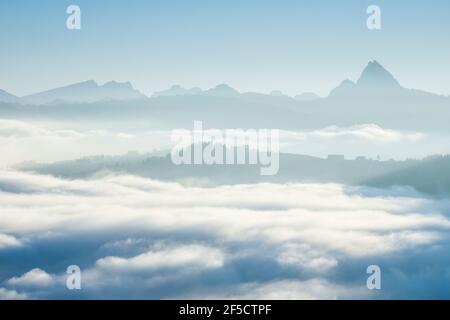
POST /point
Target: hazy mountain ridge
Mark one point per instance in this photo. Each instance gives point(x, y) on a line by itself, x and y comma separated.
point(374, 80)
point(307, 96)
point(429, 175)
point(83, 92)
point(376, 97)
point(8, 97)
point(176, 90)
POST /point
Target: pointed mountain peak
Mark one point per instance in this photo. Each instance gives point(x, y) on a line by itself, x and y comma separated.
point(374, 80)
point(375, 75)
point(374, 64)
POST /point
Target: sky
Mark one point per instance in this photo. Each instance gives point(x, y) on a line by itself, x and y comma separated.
point(254, 45)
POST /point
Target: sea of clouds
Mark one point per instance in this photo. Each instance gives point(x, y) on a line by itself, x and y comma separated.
point(50, 142)
point(139, 238)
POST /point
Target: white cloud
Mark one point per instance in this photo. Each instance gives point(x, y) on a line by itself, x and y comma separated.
point(50, 142)
point(20, 129)
point(292, 289)
point(305, 257)
point(186, 256)
point(7, 241)
point(269, 213)
point(369, 140)
point(11, 295)
point(34, 277)
point(363, 131)
point(304, 228)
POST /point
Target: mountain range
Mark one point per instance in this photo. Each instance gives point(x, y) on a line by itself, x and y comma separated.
point(374, 80)
point(429, 175)
point(85, 92)
point(219, 90)
point(376, 97)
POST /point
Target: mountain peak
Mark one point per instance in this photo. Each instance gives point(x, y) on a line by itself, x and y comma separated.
point(375, 75)
point(222, 90)
point(374, 80)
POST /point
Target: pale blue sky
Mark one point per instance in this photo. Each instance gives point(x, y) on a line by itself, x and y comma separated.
point(253, 45)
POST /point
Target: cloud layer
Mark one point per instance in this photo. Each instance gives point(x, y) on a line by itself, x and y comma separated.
point(141, 238)
point(50, 142)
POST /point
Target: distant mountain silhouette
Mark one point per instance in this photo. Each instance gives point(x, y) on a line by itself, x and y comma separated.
point(220, 90)
point(376, 76)
point(376, 97)
point(7, 97)
point(430, 175)
point(88, 91)
point(375, 80)
point(177, 90)
point(223, 90)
